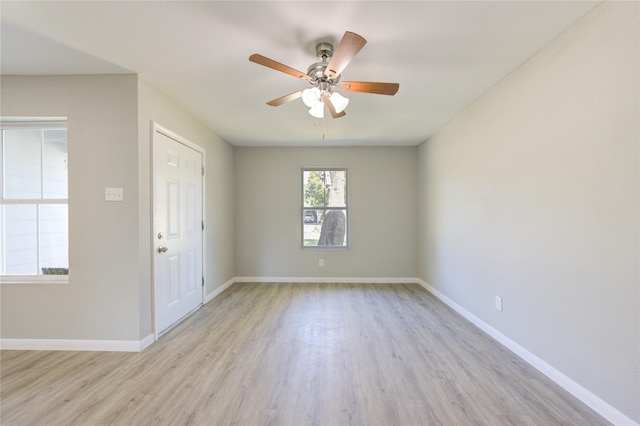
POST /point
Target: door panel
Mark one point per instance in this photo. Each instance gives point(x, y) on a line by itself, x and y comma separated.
point(173, 209)
point(173, 277)
point(177, 230)
point(191, 205)
point(192, 273)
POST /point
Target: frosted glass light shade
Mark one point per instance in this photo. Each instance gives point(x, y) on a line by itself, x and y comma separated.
point(317, 110)
point(339, 102)
point(310, 97)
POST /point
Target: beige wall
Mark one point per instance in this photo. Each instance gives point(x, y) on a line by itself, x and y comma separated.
point(382, 188)
point(109, 292)
point(219, 265)
point(532, 194)
point(101, 300)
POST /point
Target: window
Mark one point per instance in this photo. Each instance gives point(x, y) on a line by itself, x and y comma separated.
point(34, 221)
point(325, 208)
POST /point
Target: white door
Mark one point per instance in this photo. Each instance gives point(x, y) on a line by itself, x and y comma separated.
point(177, 228)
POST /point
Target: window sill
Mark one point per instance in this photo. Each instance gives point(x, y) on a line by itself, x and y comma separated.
point(325, 247)
point(34, 279)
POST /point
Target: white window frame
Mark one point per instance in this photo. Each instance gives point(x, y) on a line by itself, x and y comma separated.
point(347, 209)
point(34, 123)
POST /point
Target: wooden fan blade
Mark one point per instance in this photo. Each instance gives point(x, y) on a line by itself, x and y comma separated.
point(370, 87)
point(270, 63)
point(286, 98)
point(332, 109)
point(349, 47)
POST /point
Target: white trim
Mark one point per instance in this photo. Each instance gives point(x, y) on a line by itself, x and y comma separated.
point(147, 341)
point(34, 279)
point(176, 137)
point(580, 392)
point(345, 280)
point(33, 122)
point(76, 345)
point(209, 297)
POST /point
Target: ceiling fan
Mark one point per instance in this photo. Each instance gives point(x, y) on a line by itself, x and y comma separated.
point(325, 75)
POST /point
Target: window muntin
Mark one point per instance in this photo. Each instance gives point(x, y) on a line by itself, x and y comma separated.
point(34, 242)
point(325, 209)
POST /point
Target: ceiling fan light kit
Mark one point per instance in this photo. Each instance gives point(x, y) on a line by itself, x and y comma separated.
point(317, 110)
point(314, 99)
point(339, 102)
point(310, 97)
point(325, 75)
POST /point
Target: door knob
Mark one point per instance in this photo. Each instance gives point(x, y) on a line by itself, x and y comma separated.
point(162, 249)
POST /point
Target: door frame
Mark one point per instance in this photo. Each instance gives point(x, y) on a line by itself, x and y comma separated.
point(157, 128)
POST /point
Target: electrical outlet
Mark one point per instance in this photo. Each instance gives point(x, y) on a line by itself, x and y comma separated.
point(499, 303)
point(321, 262)
point(113, 194)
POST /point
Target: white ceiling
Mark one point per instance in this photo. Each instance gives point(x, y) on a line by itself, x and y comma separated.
point(444, 54)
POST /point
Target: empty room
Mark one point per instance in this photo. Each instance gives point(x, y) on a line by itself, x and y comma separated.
point(320, 212)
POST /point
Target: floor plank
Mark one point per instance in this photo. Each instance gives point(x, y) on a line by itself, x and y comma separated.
point(295, 354)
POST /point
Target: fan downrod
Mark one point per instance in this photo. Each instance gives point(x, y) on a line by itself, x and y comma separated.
point(324, 51)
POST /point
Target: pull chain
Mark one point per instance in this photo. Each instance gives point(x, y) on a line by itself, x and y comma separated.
point(315, 124)
point(323, 128)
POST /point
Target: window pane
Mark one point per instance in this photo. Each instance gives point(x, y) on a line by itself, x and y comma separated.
point(54, 241)
point(336, 184)
point(312, 225)
point(314, 188)
point(330, 229)
point(19, 251)
point(334, 228)
point(22, 161)
point(55, 164)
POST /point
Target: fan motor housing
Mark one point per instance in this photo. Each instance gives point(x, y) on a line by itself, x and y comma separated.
point(316, 71)
point(324, 51)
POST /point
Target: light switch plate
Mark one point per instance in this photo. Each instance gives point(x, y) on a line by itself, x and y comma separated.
point(113, 194)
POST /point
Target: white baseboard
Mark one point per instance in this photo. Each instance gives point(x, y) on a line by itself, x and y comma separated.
point(92, 345)
point(76, 345)
point(147, 341)
point(210, 296)
point(583, 394)
point(355, 280)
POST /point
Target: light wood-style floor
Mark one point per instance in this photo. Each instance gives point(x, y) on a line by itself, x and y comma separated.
point(295, 354)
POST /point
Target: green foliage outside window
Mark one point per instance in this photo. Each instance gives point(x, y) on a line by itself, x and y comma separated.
point(315, 190)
